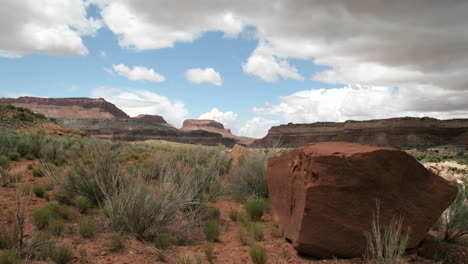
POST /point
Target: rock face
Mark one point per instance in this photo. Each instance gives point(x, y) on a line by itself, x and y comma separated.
point(153, 119)
point(68, 107)
point(324, 195)
point(238, 153)
point(215, 127)
point(407, 131)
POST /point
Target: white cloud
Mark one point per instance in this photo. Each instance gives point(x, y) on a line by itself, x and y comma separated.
point(207, 75)
point(257, 127)
point(102, 53)
point(137, 73)
point(50, 26)
point(264, 64)
point(144, 102)
point(357, 102)
point(228, 119)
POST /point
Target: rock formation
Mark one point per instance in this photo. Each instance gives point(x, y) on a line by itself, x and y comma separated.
point(323, 195)
point(68, 107)
point(238, 153)
point(153, 119)
point(407, 131)
point(215, 127)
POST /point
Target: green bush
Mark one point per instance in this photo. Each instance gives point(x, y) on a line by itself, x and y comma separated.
point(14, 156)
point(56, 227)
point(58, 210)
point(42, 217)
point(248, 179)
point(29, 156)
point(86, 227)
point(185, 259)
point(62, 254)
point(4, 238)
point(38, 172)
point(30, 167)
point(255, 208)
point(117, 243)
point(456, 216)
point(82, 203)
point(212, 231)
point(39, 190)
point(234, 215)
point(209, 252)
point(213, 213)
point(8, 257)
point(386, 244)
point(257, 231)
point(4, 162)
point(162, 241)
point(258, 254)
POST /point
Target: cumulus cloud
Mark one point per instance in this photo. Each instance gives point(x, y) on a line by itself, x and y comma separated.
point(257, 127)
point(264, 64)
point(208, 75)
point(52, 27)
point(137, 73)
point(135, 102)
point(228, 119)
point(356, 102)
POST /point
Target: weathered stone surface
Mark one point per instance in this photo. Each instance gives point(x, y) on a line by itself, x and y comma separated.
point(407, 131)
point(324, 194)
point(238, 153)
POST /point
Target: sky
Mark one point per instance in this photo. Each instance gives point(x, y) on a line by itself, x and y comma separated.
point(247, 64)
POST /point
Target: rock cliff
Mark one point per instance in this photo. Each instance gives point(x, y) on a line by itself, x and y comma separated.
point(406, 131)
point(214, 127)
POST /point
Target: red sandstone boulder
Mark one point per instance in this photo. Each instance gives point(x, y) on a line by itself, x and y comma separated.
point(323, 195)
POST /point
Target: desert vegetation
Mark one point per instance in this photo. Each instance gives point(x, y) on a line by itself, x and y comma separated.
point(174, 203)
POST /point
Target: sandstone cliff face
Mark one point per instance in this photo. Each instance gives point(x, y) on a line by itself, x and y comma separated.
point(407, 131)
point(68, 107)
point(153, 119)
point(214, 127)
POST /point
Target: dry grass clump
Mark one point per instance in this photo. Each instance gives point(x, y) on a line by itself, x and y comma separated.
point(455, 218)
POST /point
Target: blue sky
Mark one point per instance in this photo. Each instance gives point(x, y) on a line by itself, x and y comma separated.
point(253, 70)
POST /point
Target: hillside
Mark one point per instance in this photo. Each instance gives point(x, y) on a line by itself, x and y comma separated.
point(407, 131)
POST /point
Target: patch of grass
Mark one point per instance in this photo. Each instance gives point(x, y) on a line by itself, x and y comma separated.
point(212, 231)
point(42, 217)
point(248, 179)
point(39, 190)
point(245, 237)
point(82, 203)
point(161, 255)
point(38, 172)
point(386, 244)
point(62, 254)
point(4, 238)
point(234, 215)
point(56, 227)
point(208, 248)
point(162, 241)
point(184, 259)
point(86, 227)
point(257, 231)
point(213, 213)
point(258, 254)
point(14, 156)
point(255, 208)
point(4, 162)
point(456, 216)
point(8, 257)
point(29, 156)
point(30, 167)
point(117, 243)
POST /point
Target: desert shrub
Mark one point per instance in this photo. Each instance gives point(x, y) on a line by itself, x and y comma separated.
point(5, 178)
point(39, 190)
point(248, 179)
point(38, 172)
point(255, 208)
point(258, 254)
point(86, 227)
point(257, 231)
point(29, 156)
point(8, 257)
point(456, 215)
point(162, 241)
point(42, 217)
point(234, 214)
point(62, 254)
point(4, 239)
point(161, 255)
point(185, 259)
point(14, 156)
point(213, 213)
point(117, 243)
point(47, 196)
point(212, 230)
point(82, 203)
point(386, 244)
point(209, 252)
point(58, 210)
point(56, 227)
point(245, 237)
point(4, 162)
point(30, 167)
